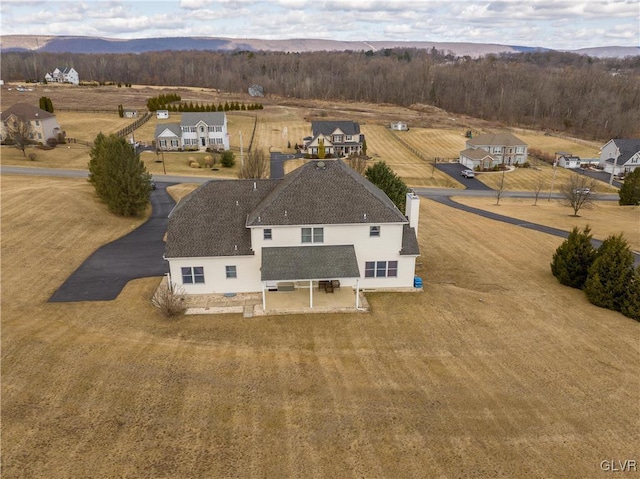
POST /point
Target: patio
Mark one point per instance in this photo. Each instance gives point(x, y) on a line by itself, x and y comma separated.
point(278, 302)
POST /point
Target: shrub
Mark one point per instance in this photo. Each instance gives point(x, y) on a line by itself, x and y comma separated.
point(573, 258)
point(32, 156)
point(170, 301)
point(630, 305)
point(610, 274)
point(52, 142)
point(228, 159)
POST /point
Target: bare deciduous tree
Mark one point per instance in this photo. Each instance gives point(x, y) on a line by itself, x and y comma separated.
point(358, 163)
point(19, 132)
point(256, 166)
point(577, 193)
point(500, 189)
point(537, 189)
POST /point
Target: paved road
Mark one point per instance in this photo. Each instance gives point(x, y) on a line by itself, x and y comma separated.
point(136, 255)
point(598, 175)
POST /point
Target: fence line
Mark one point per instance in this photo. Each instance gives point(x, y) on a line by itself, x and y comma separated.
point(80, 142)
point(135, 125)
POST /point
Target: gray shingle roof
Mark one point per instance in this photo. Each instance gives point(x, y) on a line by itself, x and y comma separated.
point(24, 111)
point(209, 118)
point(628, 148)
point(333, 194)
point(475, 153)
point(328, 127)
point(309, 262)
point(211, 220)
point(504, 138)
point(172, 127)
point(409, 241)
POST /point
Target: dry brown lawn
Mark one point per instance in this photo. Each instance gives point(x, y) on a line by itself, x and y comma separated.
point(526, 179)
point(553, 144)
point(605, 218)
point(70, 156)
point(495, 370)
point(86, 126)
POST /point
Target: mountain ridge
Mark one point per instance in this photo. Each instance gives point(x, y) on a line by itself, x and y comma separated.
point(86, 44)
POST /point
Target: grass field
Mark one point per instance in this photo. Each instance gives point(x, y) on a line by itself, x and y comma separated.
point(495, 370)
point(605, 218)
point(552, 144)
point(526, 179)
point(86, 126)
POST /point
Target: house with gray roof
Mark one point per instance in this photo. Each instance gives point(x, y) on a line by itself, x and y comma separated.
point(44, 125)
point(503, 148)
point(340, 138)
point(66, 75)
point(621, 155)
point(196, 131)
point(322, 223)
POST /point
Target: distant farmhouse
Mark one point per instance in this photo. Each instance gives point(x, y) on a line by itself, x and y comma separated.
point(322, 226)
point(66, 75)
point(196, 131)
point(494, 149)
point(43, 124)
point(399, 126)
point(340, 138)
point(567, 160)
point(620, 155)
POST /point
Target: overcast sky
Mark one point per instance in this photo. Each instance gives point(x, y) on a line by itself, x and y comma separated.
point(557, 24)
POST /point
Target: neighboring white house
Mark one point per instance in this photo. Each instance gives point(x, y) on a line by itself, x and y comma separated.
point(621, 154)
point(66, 75)
point(503, 148)
point(196, 131)
point(321, 222)
point(399, 126)
point(340, 138)
point(568, 161)
point(43, 124)
point(162, 114)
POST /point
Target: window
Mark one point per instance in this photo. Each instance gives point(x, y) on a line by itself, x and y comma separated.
point(369, 269)
point(497, 149)
point(338, 139)
point(210, 128)
point(39, 136)
point(349, 138)
point(37, 123)
point(202, 129)
point(267, 233)
point(219, 129)
point(219, 141)
point(374, 231)
point(193, 275)
point(520, 149)
point(381, 269)
point(174, 142)
point(163, 143)
point(313, 235)
point(231, 271)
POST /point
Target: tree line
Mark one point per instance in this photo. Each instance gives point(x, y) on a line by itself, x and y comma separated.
point(590, 97)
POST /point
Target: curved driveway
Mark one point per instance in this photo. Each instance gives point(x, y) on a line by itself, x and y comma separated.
point(138, 254)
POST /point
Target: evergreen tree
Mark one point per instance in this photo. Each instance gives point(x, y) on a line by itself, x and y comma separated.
point(630, 189)
point(119, 176)
point(321, 149)
point(226, 106)
point(220, 107)
point(228, 159)
point(364, 146)
point(385, 178)
point(610, 274)
point(573, 258)
point(630, 306)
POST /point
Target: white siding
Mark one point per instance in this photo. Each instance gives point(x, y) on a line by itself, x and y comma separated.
point(215, 280)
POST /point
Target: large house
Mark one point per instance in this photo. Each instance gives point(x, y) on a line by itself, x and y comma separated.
point(43, 124)
point(196, 131)
point(493, 149)
point(322, 223)
point(66, 75)
point(621, 155)
point(340, 138)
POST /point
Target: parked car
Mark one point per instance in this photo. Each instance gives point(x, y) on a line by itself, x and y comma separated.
point(153, 185)
point(582, 191)
point(468, 173)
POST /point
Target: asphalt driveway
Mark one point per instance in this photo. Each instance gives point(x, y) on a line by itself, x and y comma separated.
point(454, 169)
point(138, 254)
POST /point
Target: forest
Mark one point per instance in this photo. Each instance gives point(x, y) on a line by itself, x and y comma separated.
point(583, 96)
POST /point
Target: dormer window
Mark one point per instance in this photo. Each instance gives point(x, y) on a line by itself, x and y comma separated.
point(374, 231)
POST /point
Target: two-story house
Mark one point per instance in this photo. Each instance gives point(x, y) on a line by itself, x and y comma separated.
point(196, 131)
point(322, 222)
point(340, 138)
point(43, 124)
point(66, 75)
point(493, 149)
point(621, 155)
